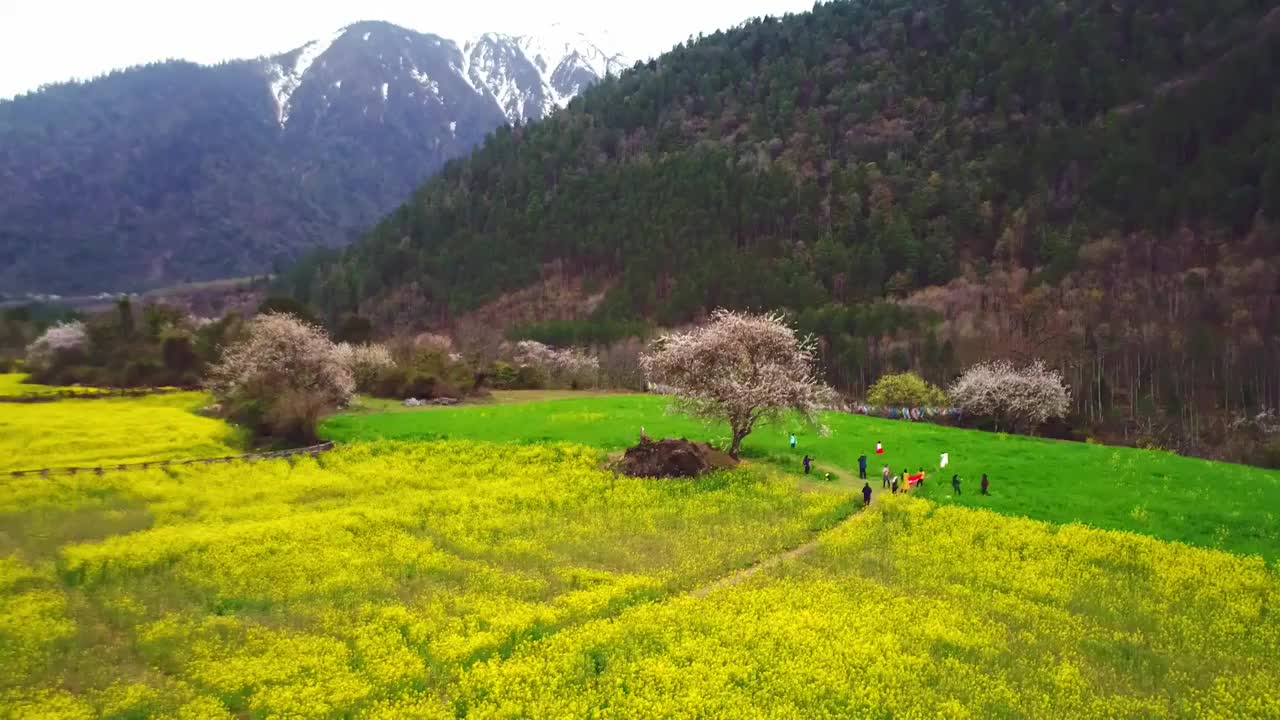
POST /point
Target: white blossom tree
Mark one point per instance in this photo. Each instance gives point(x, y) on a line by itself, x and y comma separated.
point(564, 366)
point(1019, 399)
point(365, 362)
point(740, 368)
point(282, 376)
point(58, 341)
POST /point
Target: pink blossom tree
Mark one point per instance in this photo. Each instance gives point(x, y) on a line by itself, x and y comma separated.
point(741, 368)
point(1019, 399)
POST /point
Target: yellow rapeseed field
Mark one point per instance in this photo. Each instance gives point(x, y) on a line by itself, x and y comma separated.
point(349, 584)
point(114, 430)
point(14, 384)
point(454, 579)
point(916, 611)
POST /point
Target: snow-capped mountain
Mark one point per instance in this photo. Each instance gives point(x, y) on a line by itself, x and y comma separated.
point(531, 75)
point(526, 77)
point(175, 171)
point(569, 61)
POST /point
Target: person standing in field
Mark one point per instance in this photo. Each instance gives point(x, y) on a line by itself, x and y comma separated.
point(866, 494)
point(955, 483)
point(807, 460)
point(879, 448)
point(895, 484)
point(985, 484)
point(862, 467)
point(884, 475)
point(793, 441)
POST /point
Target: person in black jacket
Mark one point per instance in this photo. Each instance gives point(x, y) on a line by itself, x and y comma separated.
point(955, 483)
point(807, 461)
point(866, 494)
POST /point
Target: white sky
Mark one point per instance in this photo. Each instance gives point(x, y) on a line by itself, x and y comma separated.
point(45, 41)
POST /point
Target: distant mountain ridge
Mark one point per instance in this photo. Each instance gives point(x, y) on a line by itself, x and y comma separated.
point(174, 171)
point(525, 76)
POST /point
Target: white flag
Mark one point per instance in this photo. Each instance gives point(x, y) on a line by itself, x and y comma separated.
point(946, 458)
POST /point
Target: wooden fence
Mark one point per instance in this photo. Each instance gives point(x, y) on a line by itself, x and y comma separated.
point(313, 451)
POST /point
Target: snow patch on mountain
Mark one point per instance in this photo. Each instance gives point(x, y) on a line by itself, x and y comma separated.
point(287, 76)
point(463, 68)
point(555, 46)
point(565, 63)
point(425, 81)
point(494, 65)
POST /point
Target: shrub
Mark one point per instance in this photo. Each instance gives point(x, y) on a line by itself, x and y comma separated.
point(397, 383)
point(179, 352)
point(142, 372)
point(354, 329)
point(1018, 399)
point(448, 367)
point(1269, 454)
point(281, 377)
point(529, 377)
point(503, 375)
point(419, 385)
point(1257, 437)
point(389, 382)
point(906, 390)
point(433, 342)
point(620, 365)
point(284, 305)
point(295, 414)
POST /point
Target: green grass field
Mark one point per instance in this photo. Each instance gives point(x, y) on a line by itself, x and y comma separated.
point(1216, 505)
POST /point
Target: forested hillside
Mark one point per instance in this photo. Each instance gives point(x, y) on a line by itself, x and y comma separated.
point(922, 183)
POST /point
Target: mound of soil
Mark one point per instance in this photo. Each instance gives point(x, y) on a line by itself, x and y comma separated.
point(672, 459)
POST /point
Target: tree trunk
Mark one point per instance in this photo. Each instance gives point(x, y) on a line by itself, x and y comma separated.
point(736, 444)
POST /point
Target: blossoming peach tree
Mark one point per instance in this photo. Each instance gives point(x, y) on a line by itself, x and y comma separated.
point(740, 368)
point(1018, 399)
point(282, 377)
